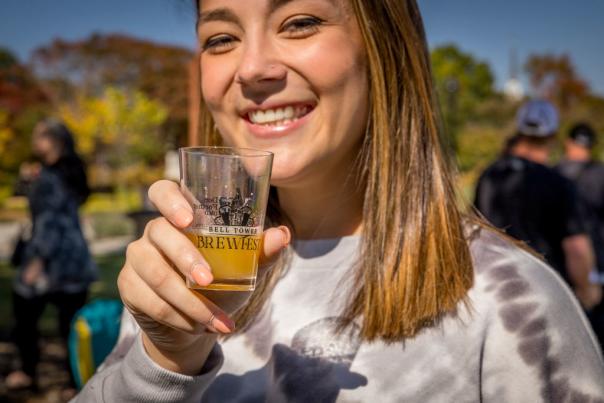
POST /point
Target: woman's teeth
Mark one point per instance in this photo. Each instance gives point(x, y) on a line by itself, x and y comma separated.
point(278, 116)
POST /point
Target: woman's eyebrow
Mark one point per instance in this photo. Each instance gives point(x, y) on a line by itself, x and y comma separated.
point(219, 14)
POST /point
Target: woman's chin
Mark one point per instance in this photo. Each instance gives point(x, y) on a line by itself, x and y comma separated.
point(282, 180)
point(285, 173)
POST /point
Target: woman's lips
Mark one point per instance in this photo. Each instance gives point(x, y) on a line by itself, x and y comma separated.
point(277, 121)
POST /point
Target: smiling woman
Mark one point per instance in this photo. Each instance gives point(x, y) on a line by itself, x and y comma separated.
point(303, 58)
point(387, 292)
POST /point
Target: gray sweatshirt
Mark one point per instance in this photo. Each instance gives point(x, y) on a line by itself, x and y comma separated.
point(524, 338)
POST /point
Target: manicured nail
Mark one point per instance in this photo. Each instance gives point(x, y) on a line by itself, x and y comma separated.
point(201, 274)
point(223, 323)
point(183, 216)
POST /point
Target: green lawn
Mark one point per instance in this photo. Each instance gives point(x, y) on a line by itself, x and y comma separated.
point(109, 267)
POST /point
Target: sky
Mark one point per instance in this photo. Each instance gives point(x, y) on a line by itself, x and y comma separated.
point(488, 29)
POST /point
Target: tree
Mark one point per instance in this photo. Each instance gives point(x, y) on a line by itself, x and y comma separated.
point(462, 83)
point(120, 133)
point(22, 104)
point(19, 89)
point(555, 78)
point(85, 68)
point(6, 133)
point(7, 59)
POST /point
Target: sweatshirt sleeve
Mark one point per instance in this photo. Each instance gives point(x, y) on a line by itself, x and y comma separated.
point(538, 346)
point(129, 375)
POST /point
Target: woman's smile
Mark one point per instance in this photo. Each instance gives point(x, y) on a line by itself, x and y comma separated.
point(268, 121)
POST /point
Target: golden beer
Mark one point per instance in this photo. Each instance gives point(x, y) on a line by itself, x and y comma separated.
point(228, 189)
point(232, 258)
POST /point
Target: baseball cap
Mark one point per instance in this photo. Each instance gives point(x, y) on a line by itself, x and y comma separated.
point(583, 135)
point(537, 118)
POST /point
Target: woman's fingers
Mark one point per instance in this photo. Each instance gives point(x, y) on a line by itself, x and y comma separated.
point(274, 241)
point(178, 302)
point(171, 203)
point(179, 250)
point(151, 282)
point(140, 299)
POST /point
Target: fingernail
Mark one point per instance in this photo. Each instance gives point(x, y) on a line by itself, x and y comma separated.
point(201, 274)
point(223, 323)
point(183, 216)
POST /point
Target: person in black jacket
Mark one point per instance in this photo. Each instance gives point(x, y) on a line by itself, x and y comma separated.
point(588, 176)
point(56, 266)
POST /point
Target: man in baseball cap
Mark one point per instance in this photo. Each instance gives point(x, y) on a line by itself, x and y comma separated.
point(583, 135)
point(537, 123)
point(578, 165)
point(532, 202)
point(588, 176)
point(537, 118)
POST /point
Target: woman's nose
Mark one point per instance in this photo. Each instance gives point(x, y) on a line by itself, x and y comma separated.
point(260, 64)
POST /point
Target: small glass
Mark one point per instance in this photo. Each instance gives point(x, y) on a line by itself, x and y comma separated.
point(228, 190)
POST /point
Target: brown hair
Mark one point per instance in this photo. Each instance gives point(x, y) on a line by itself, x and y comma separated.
point(415, 264)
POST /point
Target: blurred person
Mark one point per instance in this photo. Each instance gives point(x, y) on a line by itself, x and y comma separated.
point(520, 194)
point(56, 267)
point(386, 292)
point(588, 176)
point(578, 166)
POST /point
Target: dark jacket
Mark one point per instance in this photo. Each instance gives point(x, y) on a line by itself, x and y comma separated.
point(57, 237)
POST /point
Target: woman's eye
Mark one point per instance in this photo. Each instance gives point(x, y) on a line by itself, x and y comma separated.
point(302, 27)
point(218, 44)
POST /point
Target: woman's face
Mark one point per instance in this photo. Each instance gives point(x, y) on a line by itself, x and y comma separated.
point(287, 76)
point(42, 144)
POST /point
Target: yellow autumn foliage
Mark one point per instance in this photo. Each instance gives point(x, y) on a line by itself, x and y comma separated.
point(120, 129)
point(6, 132)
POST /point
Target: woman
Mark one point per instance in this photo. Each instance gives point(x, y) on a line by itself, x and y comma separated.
point(57, 267)
point(386, 293)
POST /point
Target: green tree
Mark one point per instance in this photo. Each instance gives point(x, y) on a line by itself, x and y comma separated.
point(462, 83)
point(7, 59)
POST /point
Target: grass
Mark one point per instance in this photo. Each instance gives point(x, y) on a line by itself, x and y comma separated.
point(122, 200)
point(107, 225)
point(109, 267)
point(119, 202)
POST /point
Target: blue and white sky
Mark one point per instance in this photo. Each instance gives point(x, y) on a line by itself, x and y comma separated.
point(487, 29)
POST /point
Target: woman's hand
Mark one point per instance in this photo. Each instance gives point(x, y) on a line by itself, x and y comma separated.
point(33, 272)
point(175, 319)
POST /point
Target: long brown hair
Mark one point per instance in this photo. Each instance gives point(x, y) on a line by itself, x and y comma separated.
point(414, 264)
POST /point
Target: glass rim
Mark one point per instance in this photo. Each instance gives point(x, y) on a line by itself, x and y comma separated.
point(239, 152)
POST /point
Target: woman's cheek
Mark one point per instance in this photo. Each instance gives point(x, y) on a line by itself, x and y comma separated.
point(210, 95)
point(214, 83)
point(327, 64)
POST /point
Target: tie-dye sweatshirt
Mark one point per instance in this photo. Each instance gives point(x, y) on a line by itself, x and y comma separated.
point(522, 338)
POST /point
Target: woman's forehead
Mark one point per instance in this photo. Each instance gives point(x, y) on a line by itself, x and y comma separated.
point(235, 11)
point(269, 4)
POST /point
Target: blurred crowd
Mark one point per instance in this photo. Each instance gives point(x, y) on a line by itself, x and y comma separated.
point(558, 211)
